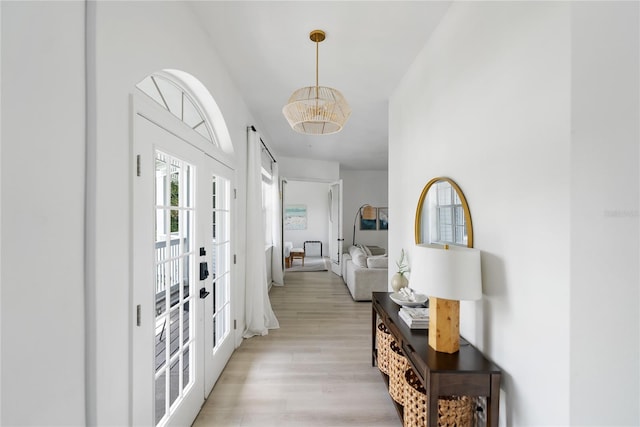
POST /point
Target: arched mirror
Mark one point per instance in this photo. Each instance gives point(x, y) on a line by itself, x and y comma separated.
point(443, 214)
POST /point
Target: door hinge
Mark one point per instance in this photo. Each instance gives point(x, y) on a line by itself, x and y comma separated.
point(138, 315)
point(138, 165)
point(234, 259)
point(235, 324)
point(235, 193)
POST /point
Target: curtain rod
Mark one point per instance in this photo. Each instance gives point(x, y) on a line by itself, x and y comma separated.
point(264, 145)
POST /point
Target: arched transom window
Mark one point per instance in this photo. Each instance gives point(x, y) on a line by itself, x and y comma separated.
point(178, 103)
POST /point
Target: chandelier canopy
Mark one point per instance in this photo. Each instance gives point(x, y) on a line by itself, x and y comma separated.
point(317, 110)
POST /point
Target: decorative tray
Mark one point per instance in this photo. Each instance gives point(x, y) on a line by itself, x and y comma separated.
point(401, 299)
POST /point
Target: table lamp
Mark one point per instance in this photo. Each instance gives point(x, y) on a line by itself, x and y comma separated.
point(448, 275)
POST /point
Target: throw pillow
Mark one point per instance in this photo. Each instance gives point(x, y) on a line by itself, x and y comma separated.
point(365, 249)
point(353, 250)
point(377, 250)
point(380, 261)
point(360, 259)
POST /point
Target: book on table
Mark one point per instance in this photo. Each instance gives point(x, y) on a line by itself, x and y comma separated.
point(415, 318)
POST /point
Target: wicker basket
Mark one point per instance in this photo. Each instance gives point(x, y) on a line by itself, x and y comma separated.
point(397, 366)
point(383, 339)
point(453, 411)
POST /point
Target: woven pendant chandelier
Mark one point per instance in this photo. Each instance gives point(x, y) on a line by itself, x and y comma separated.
point(317, 110)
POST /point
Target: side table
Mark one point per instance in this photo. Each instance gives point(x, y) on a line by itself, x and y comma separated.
point(465, 373)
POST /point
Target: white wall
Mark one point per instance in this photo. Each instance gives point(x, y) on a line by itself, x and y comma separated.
point(135, 34)
point(308, 169)
point(358, 188)
point(487, 104)
point(532, 109)
point(42, 198)
point(315, 196)
point(605, 281)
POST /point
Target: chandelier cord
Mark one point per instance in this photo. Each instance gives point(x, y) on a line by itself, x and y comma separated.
point(317, 67)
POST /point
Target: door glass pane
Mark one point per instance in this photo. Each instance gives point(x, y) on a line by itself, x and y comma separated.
point(188, 230)
point(174, 386)
point(160, 396)
point(174, 277)
point(186, 274)
point(161, 175)
point(215, 342)
point(161, 344)
point(161, 275)
point(186, 361)
point(175, 225)
point(175, 183)
point(221, 259)
point(188, 187)
point(185, 323)
point(174, 331)
point(214, 262)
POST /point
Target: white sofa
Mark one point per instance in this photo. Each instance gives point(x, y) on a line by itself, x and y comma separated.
point(365, 270)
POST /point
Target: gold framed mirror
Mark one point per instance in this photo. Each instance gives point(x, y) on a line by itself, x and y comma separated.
point(442, 215)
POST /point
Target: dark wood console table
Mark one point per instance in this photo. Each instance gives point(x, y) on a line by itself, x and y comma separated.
point(465, 373)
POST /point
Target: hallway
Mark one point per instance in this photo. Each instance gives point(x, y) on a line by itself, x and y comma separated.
point(313, 371)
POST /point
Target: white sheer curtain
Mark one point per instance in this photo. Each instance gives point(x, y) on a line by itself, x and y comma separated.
point(277, 271)
point(259, 316)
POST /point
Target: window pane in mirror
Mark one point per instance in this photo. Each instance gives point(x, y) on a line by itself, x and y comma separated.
point(461, 238)
point(444, 193)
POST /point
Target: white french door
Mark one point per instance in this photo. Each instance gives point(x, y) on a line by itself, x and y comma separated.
point(181, 275)
point(335, 227)
point(218, 340)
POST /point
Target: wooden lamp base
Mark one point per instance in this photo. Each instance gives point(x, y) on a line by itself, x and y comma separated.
point(444, 325)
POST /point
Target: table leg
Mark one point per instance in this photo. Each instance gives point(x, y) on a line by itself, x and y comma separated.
point(373, 335)
point(433, 391)
point(493, 401)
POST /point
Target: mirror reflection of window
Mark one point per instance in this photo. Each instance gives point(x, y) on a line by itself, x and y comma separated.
point(449, 215)
point(442, 214)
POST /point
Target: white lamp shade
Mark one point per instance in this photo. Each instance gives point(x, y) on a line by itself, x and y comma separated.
point(452, 273)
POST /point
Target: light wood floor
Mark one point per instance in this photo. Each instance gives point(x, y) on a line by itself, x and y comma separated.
point(313, 371)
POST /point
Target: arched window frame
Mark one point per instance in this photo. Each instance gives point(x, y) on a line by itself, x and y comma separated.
point(218, 143)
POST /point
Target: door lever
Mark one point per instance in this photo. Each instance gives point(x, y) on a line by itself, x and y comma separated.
point(203, 293)
point(204, 270)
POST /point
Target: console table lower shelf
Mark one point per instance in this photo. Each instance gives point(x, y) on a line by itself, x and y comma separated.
point(452, 378)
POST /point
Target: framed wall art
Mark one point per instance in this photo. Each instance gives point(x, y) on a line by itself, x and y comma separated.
point(295, 217)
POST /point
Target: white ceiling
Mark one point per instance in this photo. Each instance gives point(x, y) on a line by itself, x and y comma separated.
point(369, 47)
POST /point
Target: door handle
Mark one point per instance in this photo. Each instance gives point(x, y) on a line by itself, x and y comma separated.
point(204, 270)
point(203, 293)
